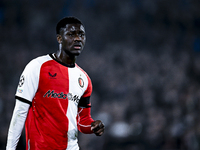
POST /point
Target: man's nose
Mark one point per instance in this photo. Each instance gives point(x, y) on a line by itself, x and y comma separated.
point(77, 38)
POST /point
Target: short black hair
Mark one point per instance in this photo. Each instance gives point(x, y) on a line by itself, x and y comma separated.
point(67, 20)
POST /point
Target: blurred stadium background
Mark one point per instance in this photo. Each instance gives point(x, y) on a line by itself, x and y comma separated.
point(143, 57)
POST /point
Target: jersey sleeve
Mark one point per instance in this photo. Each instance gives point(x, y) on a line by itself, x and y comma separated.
point(88, 91)
point(85, 99)
point(84, 120)
point(28, 82)
point(17, 124)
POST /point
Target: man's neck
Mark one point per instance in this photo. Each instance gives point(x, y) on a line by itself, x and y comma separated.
point(65, 58)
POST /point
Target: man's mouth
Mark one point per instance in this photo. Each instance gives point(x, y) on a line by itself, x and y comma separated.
point(78, 47)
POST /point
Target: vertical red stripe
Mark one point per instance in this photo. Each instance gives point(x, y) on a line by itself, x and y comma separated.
point(47, 123)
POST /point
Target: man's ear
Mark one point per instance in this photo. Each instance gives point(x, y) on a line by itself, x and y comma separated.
point(59, 38)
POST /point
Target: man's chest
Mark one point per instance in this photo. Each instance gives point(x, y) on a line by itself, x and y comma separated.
point(61, 83)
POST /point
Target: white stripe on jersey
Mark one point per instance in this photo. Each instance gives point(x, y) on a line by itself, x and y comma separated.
point(74, 89)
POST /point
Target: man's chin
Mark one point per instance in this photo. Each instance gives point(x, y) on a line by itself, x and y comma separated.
point(73, 53)
point(76, 53)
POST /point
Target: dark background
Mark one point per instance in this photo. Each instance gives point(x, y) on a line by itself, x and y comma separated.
point(143, 57)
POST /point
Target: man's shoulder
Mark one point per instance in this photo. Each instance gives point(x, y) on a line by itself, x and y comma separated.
point(37, 62)
point(40, 60)
point(83, 71)
point(77, 66)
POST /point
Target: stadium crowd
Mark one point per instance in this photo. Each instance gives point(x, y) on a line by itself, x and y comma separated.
point(143, 58)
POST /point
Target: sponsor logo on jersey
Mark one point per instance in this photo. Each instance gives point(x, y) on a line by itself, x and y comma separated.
point(61, 95)
point(21, 81)
point(52, 76)
point(80, 82)
point(20, 90)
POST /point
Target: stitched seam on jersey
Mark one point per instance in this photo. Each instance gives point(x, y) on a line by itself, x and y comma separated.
point(80, 111)
point(79, 119)
point(85, 125)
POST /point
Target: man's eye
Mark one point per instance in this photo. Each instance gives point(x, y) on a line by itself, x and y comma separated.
point(82, 35)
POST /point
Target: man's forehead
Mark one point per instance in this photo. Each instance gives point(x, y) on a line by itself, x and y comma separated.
point(73, 27)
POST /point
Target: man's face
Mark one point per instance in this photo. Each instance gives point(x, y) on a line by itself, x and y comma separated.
point(72, 38)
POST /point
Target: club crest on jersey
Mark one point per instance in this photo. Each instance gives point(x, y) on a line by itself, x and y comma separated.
point(80, 82)
point(21, 81)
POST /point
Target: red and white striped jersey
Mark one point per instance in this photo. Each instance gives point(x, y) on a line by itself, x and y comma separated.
point(55, 92)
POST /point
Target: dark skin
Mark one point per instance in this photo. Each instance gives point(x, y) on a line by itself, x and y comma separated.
point(71, 43)
point(97, 127)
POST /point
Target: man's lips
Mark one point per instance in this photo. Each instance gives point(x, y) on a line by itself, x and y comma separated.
point(77, 46)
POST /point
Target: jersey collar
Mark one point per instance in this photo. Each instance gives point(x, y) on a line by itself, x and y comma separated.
point(67, 65)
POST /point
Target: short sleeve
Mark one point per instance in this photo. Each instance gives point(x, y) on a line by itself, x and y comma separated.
point(29, 80)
